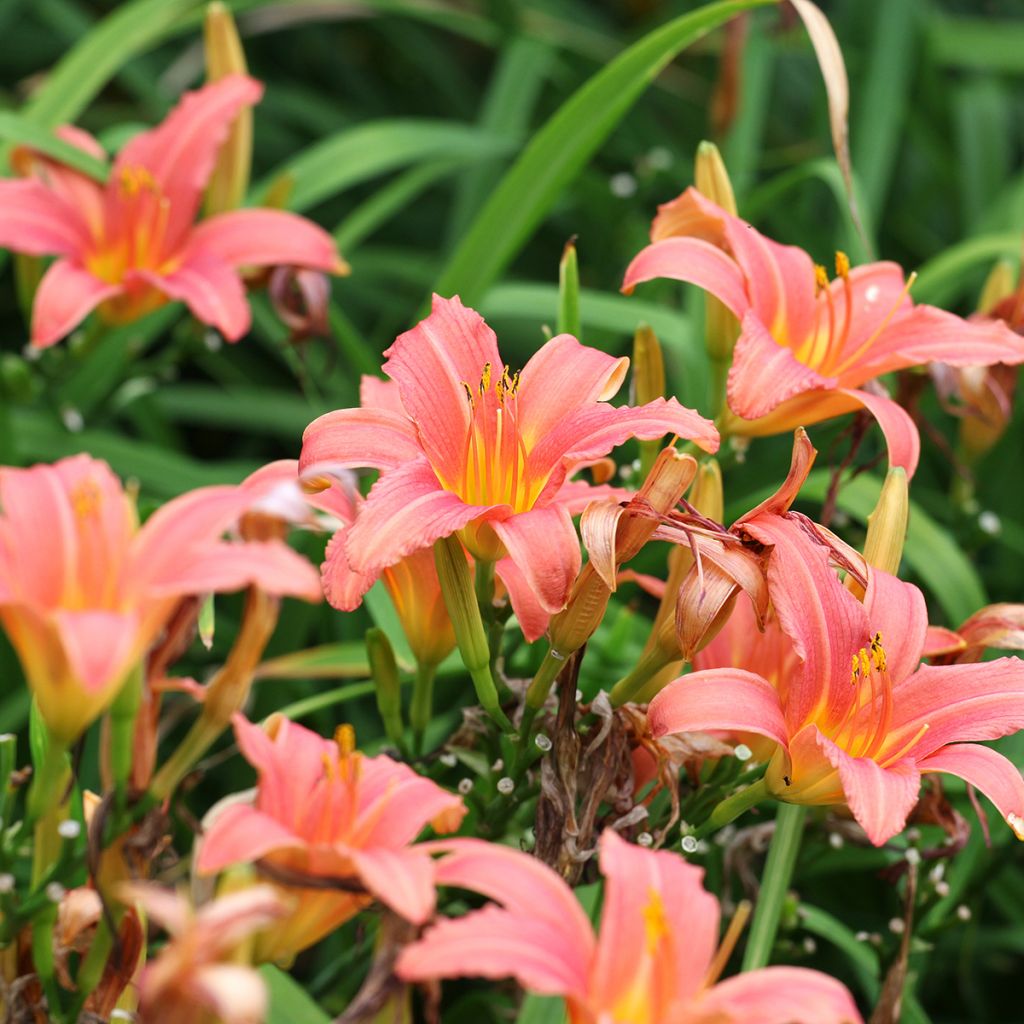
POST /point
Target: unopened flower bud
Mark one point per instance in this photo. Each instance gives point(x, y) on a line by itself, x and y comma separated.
point(712, 180)
point(569, 291)
point(887, 524)
point(225, 56)
point(384, 672)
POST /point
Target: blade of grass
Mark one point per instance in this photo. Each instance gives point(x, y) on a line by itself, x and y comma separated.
point(558, 152)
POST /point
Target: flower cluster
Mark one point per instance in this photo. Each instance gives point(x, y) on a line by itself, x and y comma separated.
point(783, 668)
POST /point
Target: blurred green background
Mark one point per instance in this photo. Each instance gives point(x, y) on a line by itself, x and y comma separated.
point(395, 120)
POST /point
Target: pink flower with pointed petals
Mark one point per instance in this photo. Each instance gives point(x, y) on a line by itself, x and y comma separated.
point(197, 976)
point(323, 809)
point(862, 720)
point(808, 349)
point(653, 961)
point(83, 607)
point(131, 245)
point(476, 451)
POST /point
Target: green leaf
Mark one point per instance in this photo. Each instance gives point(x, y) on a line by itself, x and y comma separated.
point(23, 132)
point(943, 278)
point(289, 1004)
point(863, 959)
point(328, 661)
point(162, 473)
point(369, 150)
point(542, 1010)
point(983, 44)
point(88, 66)
point(559, 151)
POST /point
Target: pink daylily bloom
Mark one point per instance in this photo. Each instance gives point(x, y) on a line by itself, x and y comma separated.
point(476, 451)
point(653, 961)
point(133, 244)
point(412, 581)
point(84, 606)
point(862, 719)
point(323, 810)
point(808, 349)
point(197, 976)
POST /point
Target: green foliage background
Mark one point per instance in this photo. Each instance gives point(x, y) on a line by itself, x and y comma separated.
point(396, 120)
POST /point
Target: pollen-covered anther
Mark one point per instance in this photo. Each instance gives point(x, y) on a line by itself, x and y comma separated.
point(842, 264)
point(820, 279)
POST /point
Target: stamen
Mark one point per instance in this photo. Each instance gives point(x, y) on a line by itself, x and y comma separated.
point(728, 944)
point(850, 360)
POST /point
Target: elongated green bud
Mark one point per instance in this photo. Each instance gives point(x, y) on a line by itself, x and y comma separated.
point(384, 672)
point(460, 600)
point(569, 291)
point(887, 524)
point(225, 56)
point(648, 383)
point(720, 326)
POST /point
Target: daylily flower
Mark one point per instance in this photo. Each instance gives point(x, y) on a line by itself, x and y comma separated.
point(486, 454)
point(998, 626)
point(132, 245)
point(653, 962)
point(83, 607)
point(860, 722)
point(197, 976)
point(808, 348)
point(323, 811)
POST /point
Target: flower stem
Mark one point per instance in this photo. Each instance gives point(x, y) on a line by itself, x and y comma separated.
point(540, 687)
point(733, 806)
point(630, 686)
point(778, 870)
point(421, 709)
point(122, 734)
point(464, 611)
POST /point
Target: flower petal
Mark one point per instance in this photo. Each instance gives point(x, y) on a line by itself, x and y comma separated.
point(897, 611)
point(406, 509)
point(401, 879)
point(235, 993)
point(429, 364)
point(396, 804)
point(343, 586)
point(560, 378)
point(780, 995)
point(593, 432)
point(695, 262)
point(981, 701)
point(901, 436)
point(211, 289)
point(521, 884)
point(217, 568)
point(359, 437)
point(36, 221)
point(826, 623)
point(925, 334)
point(719, 698)
point(642, 886)
point(494, 943)
point(263, 237)
point(985, 769)
point(879, 798)
point(544, 545)
point(529, 612)
point(99, 646)
point(764, 374)
point(240, 834)
point(67, 294)
point(181, 151)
